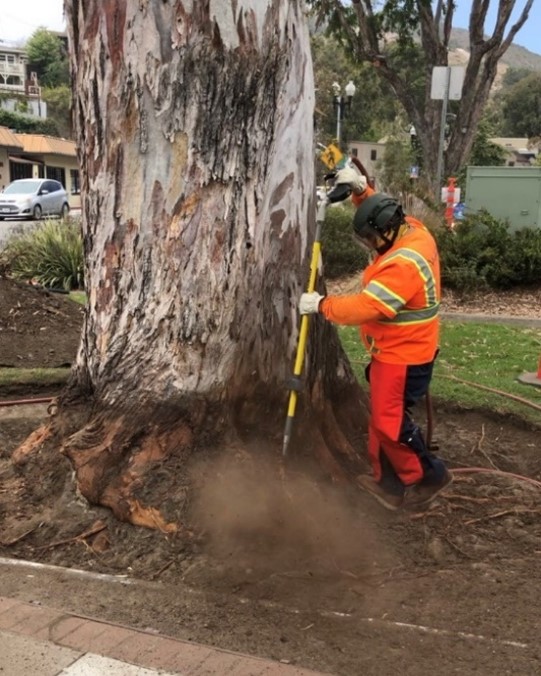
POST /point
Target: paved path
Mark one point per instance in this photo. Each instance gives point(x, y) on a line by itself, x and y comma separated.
point(41, 641)
point(18, 226)
point(491, 319)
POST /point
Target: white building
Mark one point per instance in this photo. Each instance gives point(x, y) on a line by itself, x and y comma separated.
point(520, 152)
point(370, 154)
point(15, 79)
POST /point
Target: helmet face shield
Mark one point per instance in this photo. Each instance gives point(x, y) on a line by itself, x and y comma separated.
point(367, 240)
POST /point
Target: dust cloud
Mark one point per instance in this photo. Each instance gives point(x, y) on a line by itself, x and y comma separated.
point(253, 516)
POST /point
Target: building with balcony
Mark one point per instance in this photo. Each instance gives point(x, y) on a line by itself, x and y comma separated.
point(12, 69)
point(23, 85)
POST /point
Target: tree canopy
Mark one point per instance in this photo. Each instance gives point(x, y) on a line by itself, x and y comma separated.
point(58, 101)
point(400, 38)
point(373, 106)
point(521, 108)
point(48, 58)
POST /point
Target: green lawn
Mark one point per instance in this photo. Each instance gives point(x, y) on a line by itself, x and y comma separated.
point(491, 355)
point(12, 376)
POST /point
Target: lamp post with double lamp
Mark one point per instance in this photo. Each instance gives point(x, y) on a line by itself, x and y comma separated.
point(342, 104)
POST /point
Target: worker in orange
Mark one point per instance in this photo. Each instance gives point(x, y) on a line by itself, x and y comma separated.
point(397, 313)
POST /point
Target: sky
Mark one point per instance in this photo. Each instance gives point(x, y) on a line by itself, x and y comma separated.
point(18, 20)
point(528, 35)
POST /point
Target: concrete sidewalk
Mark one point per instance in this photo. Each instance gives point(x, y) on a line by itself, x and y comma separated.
point(39, 640)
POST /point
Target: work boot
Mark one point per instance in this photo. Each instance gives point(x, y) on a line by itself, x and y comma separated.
point(388, 500)
point(420, 495)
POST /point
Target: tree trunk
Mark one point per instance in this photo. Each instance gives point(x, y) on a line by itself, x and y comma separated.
point(194, 126)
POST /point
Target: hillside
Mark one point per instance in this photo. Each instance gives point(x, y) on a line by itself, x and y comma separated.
point(514, 57)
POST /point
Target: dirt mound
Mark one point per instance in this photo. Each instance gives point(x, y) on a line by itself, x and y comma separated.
point(38, 329)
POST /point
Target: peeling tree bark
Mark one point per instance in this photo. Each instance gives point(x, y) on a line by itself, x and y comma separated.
point(194, 127)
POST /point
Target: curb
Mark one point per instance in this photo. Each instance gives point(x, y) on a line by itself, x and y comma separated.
point(47, 629)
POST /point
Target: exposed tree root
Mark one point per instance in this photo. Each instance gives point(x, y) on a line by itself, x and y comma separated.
point(504, 512)
point(127, 460)
point(13, 541)
point(113, 458)
point(331, 431)
point(32, 444)
point(98, 527)
point(324, 456)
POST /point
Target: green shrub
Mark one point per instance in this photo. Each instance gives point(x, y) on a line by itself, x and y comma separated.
point(341, 255)
point(51, 254)
point(24, 124)
point(481, 252)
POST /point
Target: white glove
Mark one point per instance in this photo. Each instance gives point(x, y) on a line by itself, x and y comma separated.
point(351, 176)
point(309, 303)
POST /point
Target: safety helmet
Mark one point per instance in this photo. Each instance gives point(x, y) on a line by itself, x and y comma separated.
point(377, 221)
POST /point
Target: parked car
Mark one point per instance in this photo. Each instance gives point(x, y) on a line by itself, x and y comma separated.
point(34, 198)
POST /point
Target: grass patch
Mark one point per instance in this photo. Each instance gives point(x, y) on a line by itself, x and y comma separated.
point(38, 377)
point(492, 355)
point(78, 297)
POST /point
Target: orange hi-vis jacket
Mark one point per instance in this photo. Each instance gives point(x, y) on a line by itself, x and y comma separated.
point(358, 199)
point(397, 309)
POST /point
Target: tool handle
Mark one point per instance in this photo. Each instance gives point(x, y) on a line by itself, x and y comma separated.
point(305, 320)
point(303, 332)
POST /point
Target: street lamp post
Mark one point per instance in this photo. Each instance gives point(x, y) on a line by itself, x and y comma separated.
point(342, 104)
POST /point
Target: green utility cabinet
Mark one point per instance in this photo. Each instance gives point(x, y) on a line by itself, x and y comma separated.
point(512, 194)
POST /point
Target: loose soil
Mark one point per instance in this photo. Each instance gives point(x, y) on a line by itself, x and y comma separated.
point(299, 570)
point(38, 328)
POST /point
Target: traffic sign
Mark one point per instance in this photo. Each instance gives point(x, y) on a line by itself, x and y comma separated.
point(332, 156)
point(447, 76)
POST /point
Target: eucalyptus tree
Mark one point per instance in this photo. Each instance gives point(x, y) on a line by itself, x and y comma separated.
point(194, 123)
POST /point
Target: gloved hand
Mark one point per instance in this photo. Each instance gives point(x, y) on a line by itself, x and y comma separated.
point(357, 182)
point(309, 303)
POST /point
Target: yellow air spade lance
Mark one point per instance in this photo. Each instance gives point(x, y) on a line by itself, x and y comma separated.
point(337, 194)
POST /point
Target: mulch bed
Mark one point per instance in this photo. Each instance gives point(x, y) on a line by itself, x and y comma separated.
point(38, 329)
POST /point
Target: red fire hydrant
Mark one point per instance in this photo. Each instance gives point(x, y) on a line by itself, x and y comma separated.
point(450, 201)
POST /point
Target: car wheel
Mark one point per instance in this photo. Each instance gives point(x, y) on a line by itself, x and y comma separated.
point(65, 211)
point(36, 212)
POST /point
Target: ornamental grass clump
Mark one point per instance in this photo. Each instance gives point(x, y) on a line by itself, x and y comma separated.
point(51, 254)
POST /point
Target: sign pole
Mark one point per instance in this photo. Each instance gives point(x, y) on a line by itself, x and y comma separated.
point(443, 122)
point(338, 119)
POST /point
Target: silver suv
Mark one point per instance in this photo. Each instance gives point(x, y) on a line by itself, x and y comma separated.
point(34, 198)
